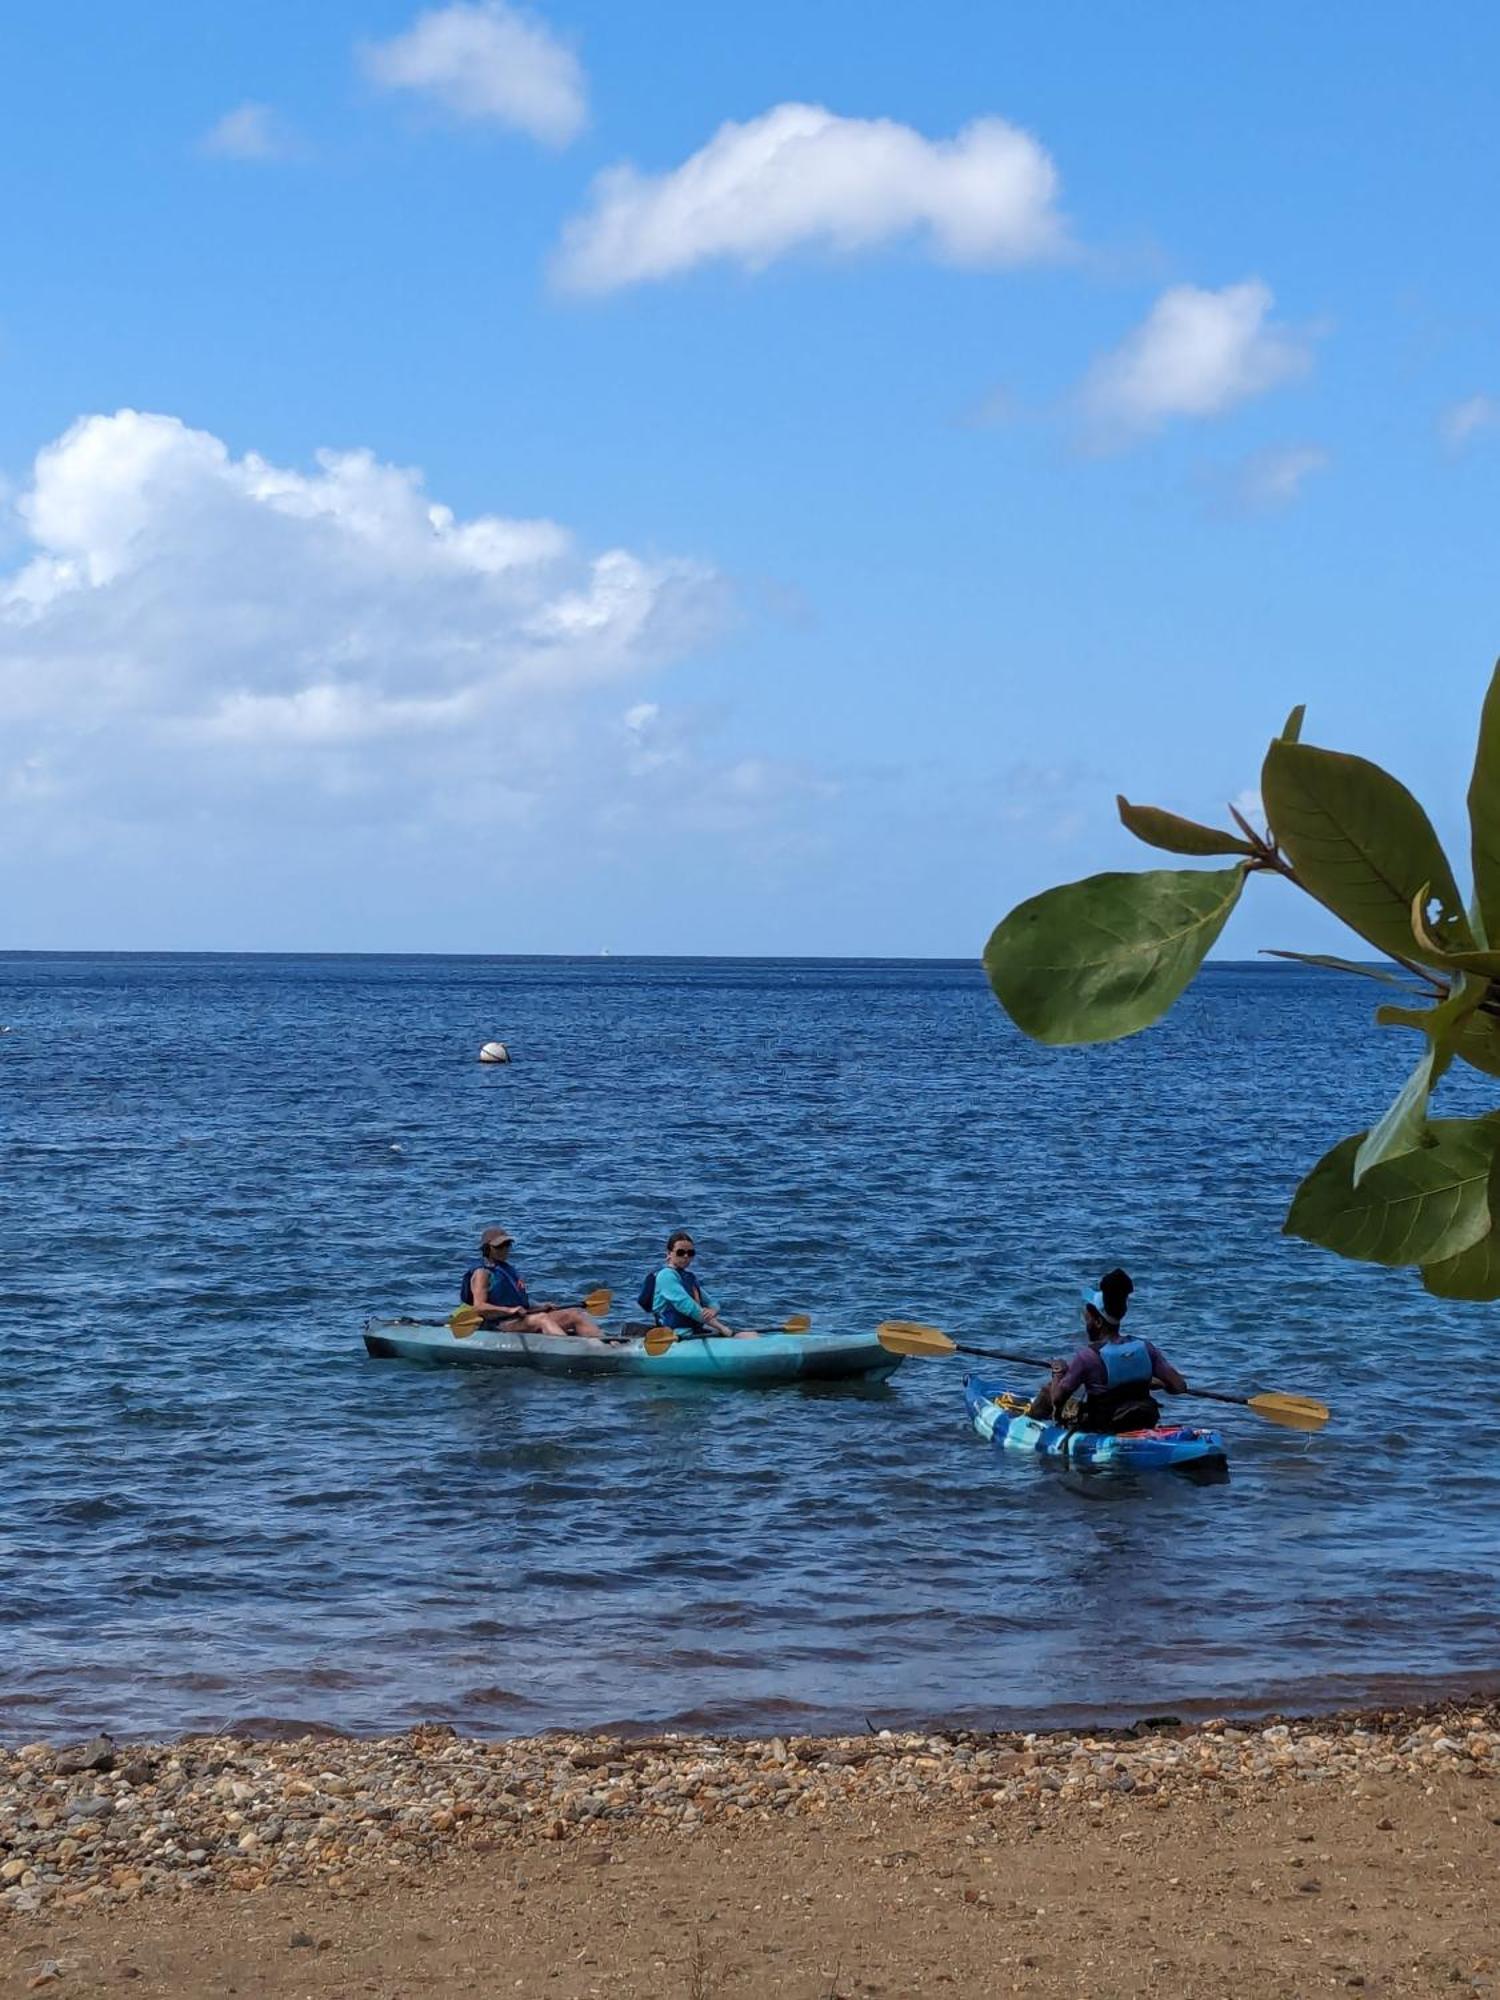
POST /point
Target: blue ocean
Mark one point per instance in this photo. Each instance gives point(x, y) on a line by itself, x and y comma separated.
point(216, 1510)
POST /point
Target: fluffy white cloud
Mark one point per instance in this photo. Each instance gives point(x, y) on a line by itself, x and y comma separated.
point(249, 132)
point(490, 62)
point(176, 596)
point(1461, 421)
point(1196, 354)
point(798, 176)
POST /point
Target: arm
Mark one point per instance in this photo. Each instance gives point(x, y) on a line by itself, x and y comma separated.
point(671, 1291)
point(1164, 1372)
point(480, 1288)
point(1067, 1378)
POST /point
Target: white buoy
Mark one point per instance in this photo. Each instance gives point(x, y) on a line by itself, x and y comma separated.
point(494, 1052)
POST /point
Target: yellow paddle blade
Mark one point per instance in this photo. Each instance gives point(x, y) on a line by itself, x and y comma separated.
point(1298, 1413)
point(798, 1323)
point(909, 1336)
point(597, 1304)
point(659, 1339)
point(464, 1320)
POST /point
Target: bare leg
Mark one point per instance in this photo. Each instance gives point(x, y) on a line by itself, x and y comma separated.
point(574, 1320)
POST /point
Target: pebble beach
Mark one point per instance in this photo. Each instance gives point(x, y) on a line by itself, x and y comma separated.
point(106, 1823)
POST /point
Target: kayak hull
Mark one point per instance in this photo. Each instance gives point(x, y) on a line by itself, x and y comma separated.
point(773, 1358)
point(1139, 1451)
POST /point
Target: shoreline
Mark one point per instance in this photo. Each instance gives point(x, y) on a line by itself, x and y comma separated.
point(1201, 1862)
point(109, 1822)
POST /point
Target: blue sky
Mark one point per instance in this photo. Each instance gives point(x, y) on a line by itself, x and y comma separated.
point(839, 509)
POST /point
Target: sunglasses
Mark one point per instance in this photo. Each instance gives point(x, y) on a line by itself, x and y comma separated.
point(684, 1250)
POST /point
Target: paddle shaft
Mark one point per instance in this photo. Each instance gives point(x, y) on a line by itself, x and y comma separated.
point(1031, 1361)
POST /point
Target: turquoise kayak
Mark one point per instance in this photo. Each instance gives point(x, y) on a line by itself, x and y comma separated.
point(997, 1412)
point(773, 1358)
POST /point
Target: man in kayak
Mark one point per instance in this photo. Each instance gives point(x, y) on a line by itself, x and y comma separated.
point(675, 1296)
point(1115, 1371)
point(496, 1288)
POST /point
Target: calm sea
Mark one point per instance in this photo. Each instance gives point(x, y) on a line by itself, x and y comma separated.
point(214, 1508)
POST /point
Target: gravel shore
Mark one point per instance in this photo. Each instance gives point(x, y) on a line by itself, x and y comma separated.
point(106, 1823)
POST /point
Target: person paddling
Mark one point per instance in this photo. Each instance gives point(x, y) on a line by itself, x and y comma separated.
point(1115, 1371)
point(675, 1296)
point(496, 1288)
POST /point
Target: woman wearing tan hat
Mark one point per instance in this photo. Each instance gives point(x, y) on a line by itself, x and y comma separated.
point(497, 1289)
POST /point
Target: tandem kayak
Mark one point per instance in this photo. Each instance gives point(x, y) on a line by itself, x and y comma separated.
point(998, 1414)
point(773, 1358)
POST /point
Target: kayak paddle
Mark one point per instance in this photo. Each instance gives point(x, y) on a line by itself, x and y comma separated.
point(909, 1336)
point(464, 1320)
point(660, 1338)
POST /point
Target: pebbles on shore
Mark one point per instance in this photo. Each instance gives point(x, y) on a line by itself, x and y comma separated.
point(104, 1823)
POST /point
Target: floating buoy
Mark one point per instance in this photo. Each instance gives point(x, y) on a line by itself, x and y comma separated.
point(494, 1052)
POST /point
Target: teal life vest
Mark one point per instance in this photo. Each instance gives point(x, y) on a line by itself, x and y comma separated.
point(1127, 1363)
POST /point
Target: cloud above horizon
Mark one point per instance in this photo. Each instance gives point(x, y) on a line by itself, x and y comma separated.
point(239, 617)
point(1462, 421)
point(1196, 354)
point(800, 177)
point(249, 132)
point(486, 62)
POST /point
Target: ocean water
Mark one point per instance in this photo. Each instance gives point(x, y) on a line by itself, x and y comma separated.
point(214, 1509)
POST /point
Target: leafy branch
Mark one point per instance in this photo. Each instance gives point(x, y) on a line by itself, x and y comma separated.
point(1097, 960)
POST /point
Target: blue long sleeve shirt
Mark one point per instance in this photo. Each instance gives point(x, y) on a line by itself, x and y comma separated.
point(671, 1291)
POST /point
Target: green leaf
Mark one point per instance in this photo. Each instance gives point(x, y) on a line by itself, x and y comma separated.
point(1479, 1043)
point(1474, 1273)
point(1342, 965)
point(1485, 963)
point(1099, 959)
point(1177, 835)
point(1424, 1207)
point(1404, 1125)
point(1484, 814)
point(1291, 729)
point(1360, 844)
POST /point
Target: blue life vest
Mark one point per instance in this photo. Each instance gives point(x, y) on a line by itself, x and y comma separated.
point(506, 1288)
point(1127, 1363)
point(669, 1315)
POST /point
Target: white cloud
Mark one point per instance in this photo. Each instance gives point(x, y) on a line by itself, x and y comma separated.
point(1275, 478)
point(173, 595)
point(1461, 421)
point(250, 132)
point(1196, 354)
point(800, 176)
point(489, 62)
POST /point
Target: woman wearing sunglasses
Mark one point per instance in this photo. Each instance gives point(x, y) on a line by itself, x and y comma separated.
point(675, 1295)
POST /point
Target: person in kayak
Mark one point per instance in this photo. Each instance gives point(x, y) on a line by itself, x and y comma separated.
point(675, 1296)
point(496, 1288)
point(1115, 1371)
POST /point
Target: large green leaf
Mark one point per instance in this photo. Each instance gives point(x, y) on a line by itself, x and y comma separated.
point(1360, 844)
point(1168, 830)
point(1474, 1273)
point(1479, 1043)
point(1099, 959)
point(1404, 1125)
point(1421, 1208)
point(1484, 814)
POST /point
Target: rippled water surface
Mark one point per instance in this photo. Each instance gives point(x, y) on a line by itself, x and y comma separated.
point(215, 1508)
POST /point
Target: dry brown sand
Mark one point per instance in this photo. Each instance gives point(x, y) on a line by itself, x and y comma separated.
point(1369, 1871)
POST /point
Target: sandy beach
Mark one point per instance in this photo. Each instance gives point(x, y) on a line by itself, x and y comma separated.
point(1350, 1852)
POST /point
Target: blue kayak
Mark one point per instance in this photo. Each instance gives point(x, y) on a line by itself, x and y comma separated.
point(772, 1358)
point(998, 1413)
